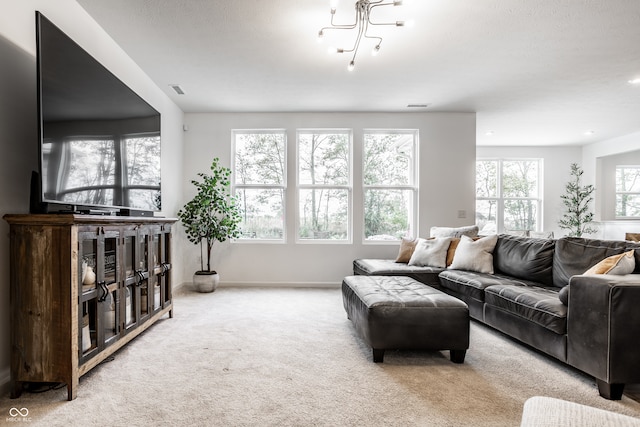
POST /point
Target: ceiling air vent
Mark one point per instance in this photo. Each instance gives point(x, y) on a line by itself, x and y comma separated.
point(417, 105)
point(178, 89)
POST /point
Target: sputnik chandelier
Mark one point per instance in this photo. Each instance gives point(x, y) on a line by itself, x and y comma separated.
point(362, 22)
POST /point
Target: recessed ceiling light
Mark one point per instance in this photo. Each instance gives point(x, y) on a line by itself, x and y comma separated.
point(489, 133)
point(589, 133)
point(417, 105)
point(635, 81)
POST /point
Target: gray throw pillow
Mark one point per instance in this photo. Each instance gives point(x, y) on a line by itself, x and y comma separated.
point(470, 230)
point(564, 295)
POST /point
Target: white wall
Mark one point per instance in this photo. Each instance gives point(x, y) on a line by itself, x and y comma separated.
point(607, 180)
point(592, 157)
point(557, 166)
point(599, 160)
point(447, 176)
point(18, 119)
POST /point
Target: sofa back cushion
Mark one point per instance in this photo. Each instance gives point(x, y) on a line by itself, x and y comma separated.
point(525, 258)
point(575, 255)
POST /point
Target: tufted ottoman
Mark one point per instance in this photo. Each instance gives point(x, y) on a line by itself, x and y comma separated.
point(397, 312)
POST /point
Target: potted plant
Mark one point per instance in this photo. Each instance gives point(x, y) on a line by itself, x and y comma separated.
point(212, 215)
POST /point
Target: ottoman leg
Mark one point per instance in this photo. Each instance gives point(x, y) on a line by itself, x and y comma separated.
point(457, 356)
point(378, 355)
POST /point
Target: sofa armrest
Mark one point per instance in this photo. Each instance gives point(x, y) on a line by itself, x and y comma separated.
point(603, 327)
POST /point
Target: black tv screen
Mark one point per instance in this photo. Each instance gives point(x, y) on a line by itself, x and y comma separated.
point(99, 141)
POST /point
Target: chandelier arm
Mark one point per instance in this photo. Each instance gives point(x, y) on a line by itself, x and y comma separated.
point(336, 27)
point(333, 15)
point(379, 3)
point(395, 24)
point(373, 4)
point(374, 37)
point(362, 30)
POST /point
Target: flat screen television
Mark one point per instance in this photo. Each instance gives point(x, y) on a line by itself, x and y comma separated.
point(99, 142)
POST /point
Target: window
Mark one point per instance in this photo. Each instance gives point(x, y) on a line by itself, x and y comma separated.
point(260, 182)
point(390, 184)
point(508, 195)
point(627, 191)
point(324, 185)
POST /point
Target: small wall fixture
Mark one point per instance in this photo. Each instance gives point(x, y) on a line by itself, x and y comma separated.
point(361, 25)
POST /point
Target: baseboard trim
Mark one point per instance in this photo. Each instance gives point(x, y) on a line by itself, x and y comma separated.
point(280, 284)
point(327, 285)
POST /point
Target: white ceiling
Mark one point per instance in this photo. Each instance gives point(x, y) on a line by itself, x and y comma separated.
point(536, 72)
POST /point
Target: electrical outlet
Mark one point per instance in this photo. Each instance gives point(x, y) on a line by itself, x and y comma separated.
point(462, 213)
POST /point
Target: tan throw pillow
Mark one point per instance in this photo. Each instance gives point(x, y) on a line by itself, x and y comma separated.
point(452, 250)
point(431, 253)
point(619, 264)
point(407, 246)
point(475, 255)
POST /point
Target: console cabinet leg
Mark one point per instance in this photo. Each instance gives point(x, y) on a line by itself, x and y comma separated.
point(16, 389)
point(378, 355)
point(72, 388)
point(457, 356)
point(610, 391)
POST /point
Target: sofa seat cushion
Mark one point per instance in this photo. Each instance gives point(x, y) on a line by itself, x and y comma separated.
point(469, 283)
point(535, 303)
point(388, 267)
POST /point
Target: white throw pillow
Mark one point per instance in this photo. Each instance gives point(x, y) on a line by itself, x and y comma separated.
point(475, 255)
point(431, 252)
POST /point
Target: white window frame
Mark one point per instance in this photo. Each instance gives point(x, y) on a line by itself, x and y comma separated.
point(627, 193)
point(500, 199)
point(413, 187)
point(348, 187)
point(254, 186)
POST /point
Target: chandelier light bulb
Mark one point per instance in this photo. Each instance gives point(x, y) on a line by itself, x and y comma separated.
point(399, 23)
point(375, 50)
point(333, 4)
point(351, 66)
point(320, 36)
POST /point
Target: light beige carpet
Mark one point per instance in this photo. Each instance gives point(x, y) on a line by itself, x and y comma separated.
point(290, 357)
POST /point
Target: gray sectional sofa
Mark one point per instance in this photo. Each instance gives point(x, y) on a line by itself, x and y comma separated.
point(540, 295)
